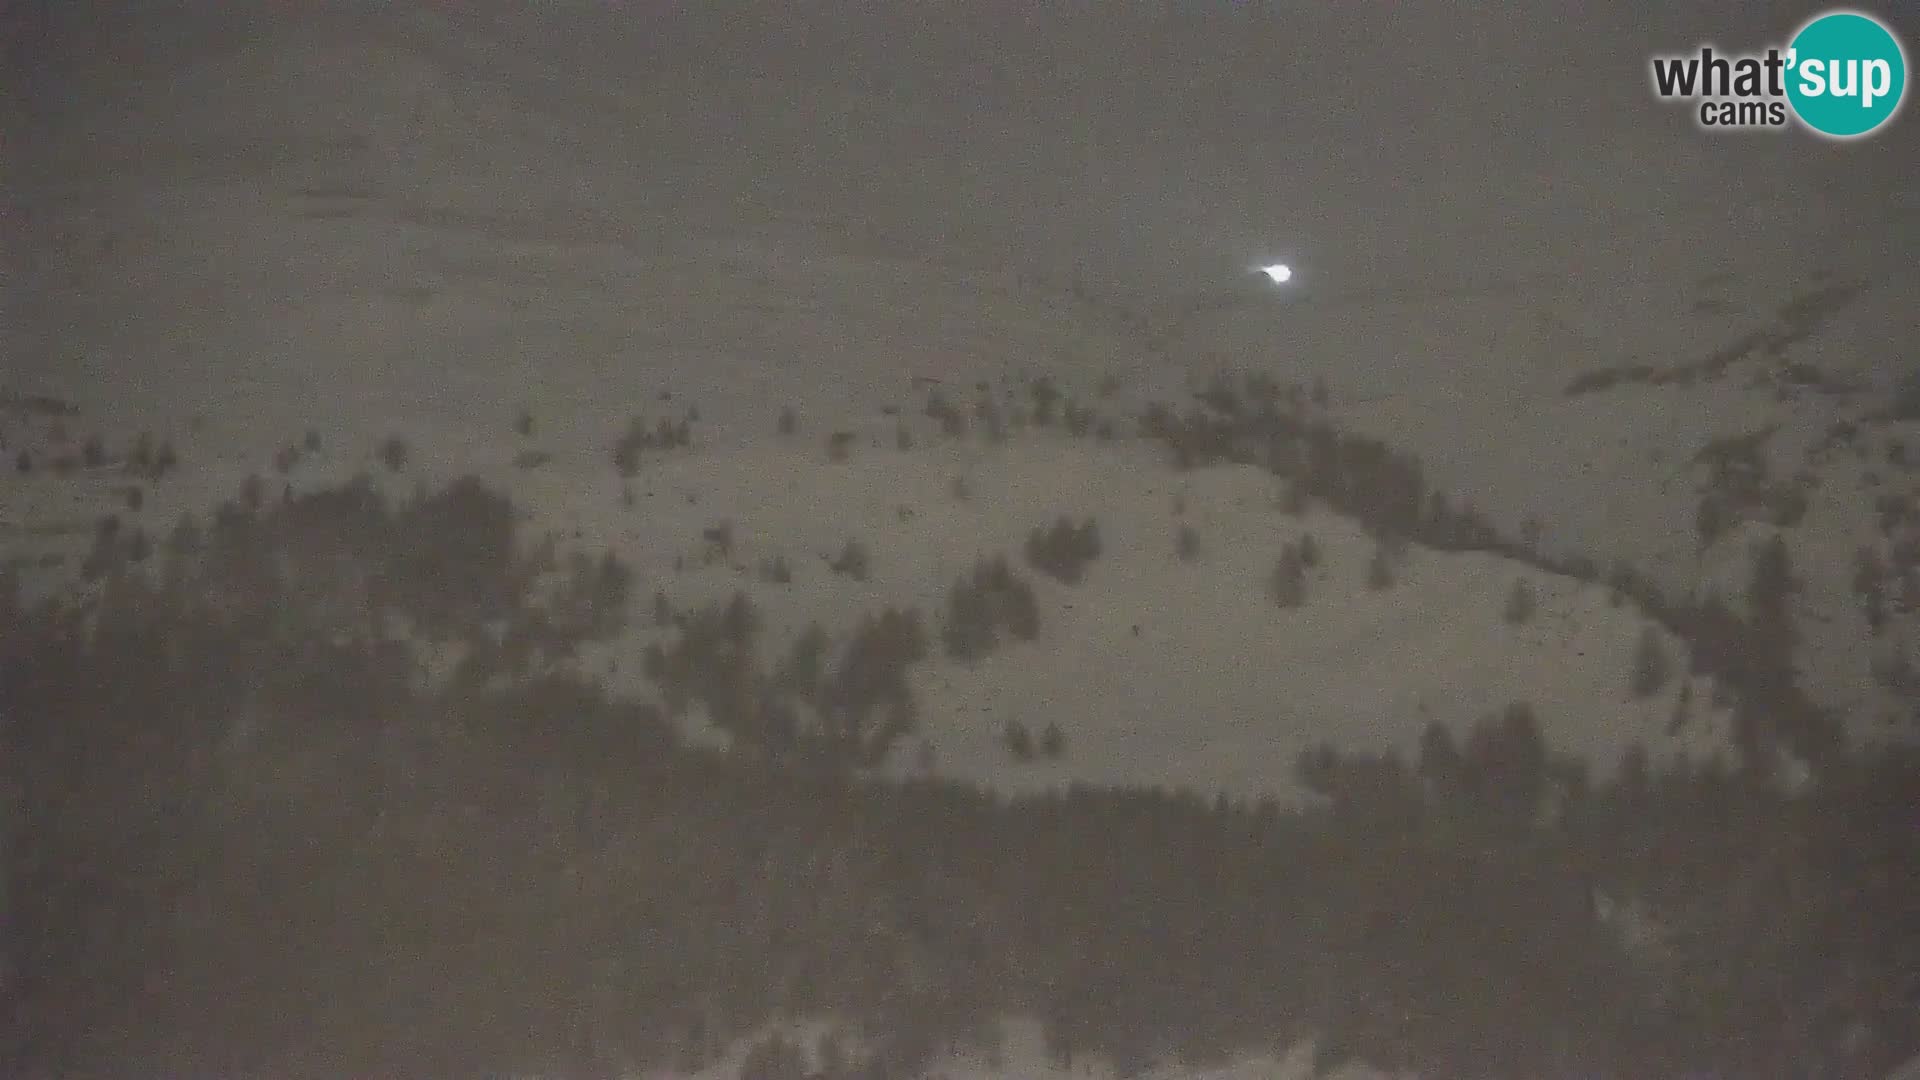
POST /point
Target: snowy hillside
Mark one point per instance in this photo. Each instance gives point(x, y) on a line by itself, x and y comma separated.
point(1195, 663)
point(1738, 403)
point(381, 224)
point(283, 248)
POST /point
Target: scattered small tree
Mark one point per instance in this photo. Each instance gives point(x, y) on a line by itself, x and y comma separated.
point(1045, 397)
point(1380, 570)
point(1771, 581)
point(979, 606)
point(1309, 551)
point(1053, 742)
point(1289, 582)
point(1682, 710)
point(1220, 394)
point(789, 422)
point(1019, 740)
point(1521, 603)
point(839, 447)
point(952, 423)
point(1063, 551)
point(626, 458)
point(1507, 762)
point(1906, 399)
point(107, 551)
point(1651, 666)
point(719, 541)
point(394, 453)
point(1441, 765)
point(986, 413)
point(1530, 533)
point(1079, 420)
point(852, 561)
point(1870, 585)
point(666, 435)
point(1186, 544)
point(523, 423)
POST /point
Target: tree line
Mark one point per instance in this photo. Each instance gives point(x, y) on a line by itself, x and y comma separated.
point(322, 788)
point(1751, 653)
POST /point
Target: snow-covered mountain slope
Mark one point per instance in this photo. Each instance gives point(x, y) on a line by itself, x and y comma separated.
point(1670, 425)
point(419, 222)
point(230, 226)
point(1161, 670)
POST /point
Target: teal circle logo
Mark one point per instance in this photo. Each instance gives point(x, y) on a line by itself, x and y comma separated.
point(1846, 74)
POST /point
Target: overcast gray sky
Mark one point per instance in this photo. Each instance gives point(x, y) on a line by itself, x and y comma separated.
point(1154, 145)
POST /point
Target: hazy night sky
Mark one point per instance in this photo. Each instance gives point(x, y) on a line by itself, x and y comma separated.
point(1402, 146)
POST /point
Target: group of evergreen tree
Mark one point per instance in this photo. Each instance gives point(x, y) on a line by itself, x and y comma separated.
point(1063, 551)
point(1289, 582)
point(1750, 655)
point(664, 435)
point(990, 601)
point(806, 709)
point(251, 830)
point(1049, 406)
point(1020, 742)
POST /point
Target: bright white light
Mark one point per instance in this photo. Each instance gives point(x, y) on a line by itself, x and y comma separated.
point(1281, 273)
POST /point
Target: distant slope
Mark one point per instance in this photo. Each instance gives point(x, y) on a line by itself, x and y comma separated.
point(1627, 416)
point(1160, 670)
point(375, 222)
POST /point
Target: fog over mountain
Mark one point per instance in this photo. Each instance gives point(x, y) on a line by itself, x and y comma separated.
point(820, 499)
